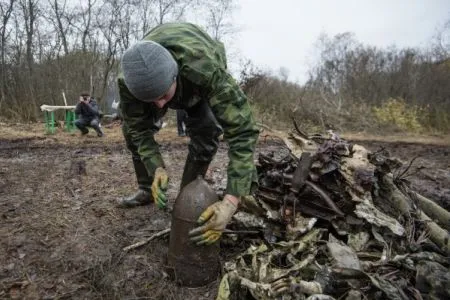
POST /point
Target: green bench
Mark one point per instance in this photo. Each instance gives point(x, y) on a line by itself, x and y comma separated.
point(50, 121)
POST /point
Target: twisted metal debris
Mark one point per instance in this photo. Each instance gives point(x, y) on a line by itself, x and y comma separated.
point(335, 223)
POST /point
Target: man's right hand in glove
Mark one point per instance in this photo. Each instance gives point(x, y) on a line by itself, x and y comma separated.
point(159, 187)
point(214, 220)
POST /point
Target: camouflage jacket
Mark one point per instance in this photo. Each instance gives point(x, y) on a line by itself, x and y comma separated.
point(202, 75)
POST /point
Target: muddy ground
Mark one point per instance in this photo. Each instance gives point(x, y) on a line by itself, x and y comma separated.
point(61, 236)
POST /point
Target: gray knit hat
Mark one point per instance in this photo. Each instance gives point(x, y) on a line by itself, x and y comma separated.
point(149, 70)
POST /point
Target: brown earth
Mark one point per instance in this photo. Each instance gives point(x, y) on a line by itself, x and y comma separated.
point(61, 236)
point(429, 173)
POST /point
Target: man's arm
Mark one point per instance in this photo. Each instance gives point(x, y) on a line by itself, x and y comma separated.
point(232, 110)
point(78, 108)
point(202, 61)
point(92, 107)
point(142, 121)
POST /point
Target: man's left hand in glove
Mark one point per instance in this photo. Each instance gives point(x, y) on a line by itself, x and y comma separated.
point(159, 187)
point(214, 220)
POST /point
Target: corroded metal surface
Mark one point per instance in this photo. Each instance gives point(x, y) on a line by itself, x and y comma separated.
point(192, 265)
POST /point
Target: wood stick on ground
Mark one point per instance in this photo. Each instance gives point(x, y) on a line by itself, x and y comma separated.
point(147, 240)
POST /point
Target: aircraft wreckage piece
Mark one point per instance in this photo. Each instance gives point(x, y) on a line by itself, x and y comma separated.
point(373, 241)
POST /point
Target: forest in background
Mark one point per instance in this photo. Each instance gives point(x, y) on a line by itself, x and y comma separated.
point(357, 87)
point(52, 46)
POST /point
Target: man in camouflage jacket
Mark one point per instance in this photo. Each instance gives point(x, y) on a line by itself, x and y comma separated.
point(179, 66)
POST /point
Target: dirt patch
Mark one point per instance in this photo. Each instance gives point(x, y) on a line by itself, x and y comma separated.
point(429, 173)
point(61, 235)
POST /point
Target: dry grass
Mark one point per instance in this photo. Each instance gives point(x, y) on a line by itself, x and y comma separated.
point(113, 134)
point(442, 140)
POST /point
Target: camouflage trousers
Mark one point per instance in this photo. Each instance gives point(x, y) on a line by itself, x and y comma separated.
point(203, 130)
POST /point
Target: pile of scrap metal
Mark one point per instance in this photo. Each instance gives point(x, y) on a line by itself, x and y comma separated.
point(337, 222)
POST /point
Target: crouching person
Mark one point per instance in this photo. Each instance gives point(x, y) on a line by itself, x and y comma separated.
point(87, 115)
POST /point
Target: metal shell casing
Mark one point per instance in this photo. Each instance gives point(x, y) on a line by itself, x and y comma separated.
point(192, 265)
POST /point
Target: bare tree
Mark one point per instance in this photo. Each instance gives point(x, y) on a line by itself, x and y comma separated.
point(85, 17)
point(145, 13)
point(61, 21)
point(170, 8)
point(120, 23)
point(5, 10)
point(218, 17)
point(53, 45)
point(114, 30)
point(29, 10)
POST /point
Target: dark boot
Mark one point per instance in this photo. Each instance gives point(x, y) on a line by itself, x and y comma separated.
point(144, 181)
point(97, 127)
point(192, 169)
point(99, 131)
point(142, 197)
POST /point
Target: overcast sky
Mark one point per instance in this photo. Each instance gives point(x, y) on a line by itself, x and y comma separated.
point(282, 33)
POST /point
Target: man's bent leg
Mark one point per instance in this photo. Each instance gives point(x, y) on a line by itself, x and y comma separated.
point(81, 125)
point(95, 124)
point(143, 195)
point(204, 131)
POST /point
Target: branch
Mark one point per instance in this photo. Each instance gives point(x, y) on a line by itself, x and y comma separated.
point(301, 133)
point(406, 169)
point(146, 241)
